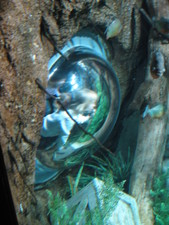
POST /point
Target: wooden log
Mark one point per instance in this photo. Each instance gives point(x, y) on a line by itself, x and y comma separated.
point(152, 131)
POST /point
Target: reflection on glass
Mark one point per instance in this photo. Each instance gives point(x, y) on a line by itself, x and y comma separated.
point(88, 88)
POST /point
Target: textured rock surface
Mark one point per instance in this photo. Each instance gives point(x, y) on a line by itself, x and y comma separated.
point(21, 103)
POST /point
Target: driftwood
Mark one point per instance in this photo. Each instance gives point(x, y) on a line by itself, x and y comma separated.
point(152, 131)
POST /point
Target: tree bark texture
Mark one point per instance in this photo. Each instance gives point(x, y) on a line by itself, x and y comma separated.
point(28, 32)
point(152, 131)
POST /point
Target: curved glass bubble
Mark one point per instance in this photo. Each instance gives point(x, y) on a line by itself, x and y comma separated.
point(85, 83)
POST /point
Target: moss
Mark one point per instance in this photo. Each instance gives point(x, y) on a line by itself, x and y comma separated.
point(160, 198)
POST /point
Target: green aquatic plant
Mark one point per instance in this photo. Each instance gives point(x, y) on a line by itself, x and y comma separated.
point(110, 195)
point(73, 184)
point(112, 170)
point(100, 115)
point(59, 212)
point(77, 134)
point(76, 159)
point(104, 164)
point(100, 164)
point(120, 166)
point(108, 199)
point(160, 199)
point(56, 206)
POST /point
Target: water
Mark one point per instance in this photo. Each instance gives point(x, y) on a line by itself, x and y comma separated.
point(94, 165)
point(83, 81)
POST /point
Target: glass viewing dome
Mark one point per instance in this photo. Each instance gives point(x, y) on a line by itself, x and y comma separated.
point(83, 80)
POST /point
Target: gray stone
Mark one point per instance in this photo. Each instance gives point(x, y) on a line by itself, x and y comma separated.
point(124, 213)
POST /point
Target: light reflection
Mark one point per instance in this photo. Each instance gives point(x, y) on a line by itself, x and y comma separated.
point(91, 99)
point(73, 82)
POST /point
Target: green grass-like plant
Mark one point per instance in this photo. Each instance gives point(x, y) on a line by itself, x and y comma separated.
point(59, 212)
point(100, 115)
point(77, 135)
point(113, 170)
point(105, 163)
point(160, 198)
point(73, 183)
point(109, 196)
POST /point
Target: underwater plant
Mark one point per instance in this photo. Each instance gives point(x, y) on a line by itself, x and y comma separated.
point(110, 195)
point(160, 199)
point(100, 115)
point(60, 214)
point(73, 184)
point(105, 164)
point(112, 170)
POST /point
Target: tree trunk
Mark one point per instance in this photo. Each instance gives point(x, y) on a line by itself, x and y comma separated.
point(21, 102)
point(152, 131)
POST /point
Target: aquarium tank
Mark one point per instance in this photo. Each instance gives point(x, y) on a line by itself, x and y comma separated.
point(82, 107)
point(84, 112)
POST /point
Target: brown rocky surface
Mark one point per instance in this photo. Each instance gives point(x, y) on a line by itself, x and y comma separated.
point(21, 103)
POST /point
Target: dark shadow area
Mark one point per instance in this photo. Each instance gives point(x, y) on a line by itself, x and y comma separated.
point(8, 214)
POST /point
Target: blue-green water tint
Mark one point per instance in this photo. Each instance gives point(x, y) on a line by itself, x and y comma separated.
point(86, 84)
